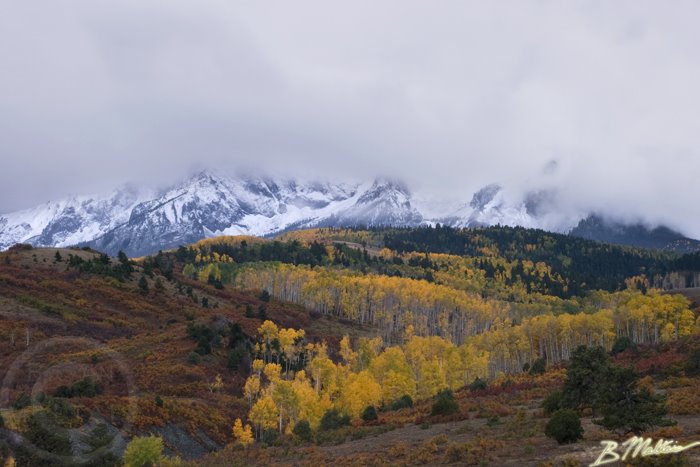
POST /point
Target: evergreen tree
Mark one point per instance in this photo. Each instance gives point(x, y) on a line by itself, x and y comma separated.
point(621, 344)
point(302, 430)
point(262, 312)
point(587, 371)
point(143, 285)
point(626, 407)
point(538, 367)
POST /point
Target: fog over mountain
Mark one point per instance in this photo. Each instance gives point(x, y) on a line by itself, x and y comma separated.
point(142, 220)
point(574, 107)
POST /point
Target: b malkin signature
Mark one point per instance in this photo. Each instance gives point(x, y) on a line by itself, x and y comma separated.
point(638, 447)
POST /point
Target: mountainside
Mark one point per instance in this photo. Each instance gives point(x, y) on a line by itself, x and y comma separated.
point(203, 206)
point(241, 341)
point(597, 228)
point(143, 221)
point(69, 221)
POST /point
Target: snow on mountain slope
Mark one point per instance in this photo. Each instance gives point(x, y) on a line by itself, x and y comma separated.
point(489, 206)
point(69, 221)
point(208, 205)
point(140, 221)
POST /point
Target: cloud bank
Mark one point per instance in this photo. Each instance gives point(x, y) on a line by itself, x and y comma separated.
point(448, 96)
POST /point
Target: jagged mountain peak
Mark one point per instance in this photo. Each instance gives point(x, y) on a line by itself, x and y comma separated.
point(387, 189)
point(485, 196)
point(208, 203)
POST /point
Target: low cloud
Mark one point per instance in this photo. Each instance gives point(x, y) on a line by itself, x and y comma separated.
point(447, 96)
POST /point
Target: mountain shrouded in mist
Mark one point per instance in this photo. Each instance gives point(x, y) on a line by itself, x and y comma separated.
point(140, 221)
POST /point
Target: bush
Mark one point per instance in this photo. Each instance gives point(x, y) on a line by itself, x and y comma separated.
point(203, 335)
point(477, 385)
point(235, 357)
point(44, 432)
point(302, 430)
point(621, 344)
point(333, 419)
point(493, 420)
point(22, 401)
point(158, 400)
point(369, 414)
point(262, 312)
point(193, 358)
point(553, 402)
point(265, 296)
point(61, 408)
point(445, 404)
point(270, 436)
point(564, 427)
point(85, 387)
point(143, 285)
point(692, 367)
point(405, 402)
point(101, 455)
point(143, 451)
point(99, 437)
point(538, 367)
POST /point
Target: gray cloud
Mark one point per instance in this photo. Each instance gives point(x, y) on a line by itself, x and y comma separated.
point(449, 96)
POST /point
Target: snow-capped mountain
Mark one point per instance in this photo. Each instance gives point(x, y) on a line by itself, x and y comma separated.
point(489, 206)
point(143, 221)
point(206, 205)
point(70, 221)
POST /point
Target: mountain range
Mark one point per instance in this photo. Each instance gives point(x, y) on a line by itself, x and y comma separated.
point(140, 220)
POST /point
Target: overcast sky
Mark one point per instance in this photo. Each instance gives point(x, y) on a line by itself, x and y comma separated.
point(448, 95)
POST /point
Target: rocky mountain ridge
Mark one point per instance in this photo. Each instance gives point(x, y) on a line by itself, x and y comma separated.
point(142, 221)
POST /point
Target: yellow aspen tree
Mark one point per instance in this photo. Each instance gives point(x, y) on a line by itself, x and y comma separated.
point(348, 355)
point(258, 366)
point(323, 374)
point(188, 271)
point(287, 402)
point(243, 434)
point(290, 342)
point(251, 389)
point(268, 332)
point(359, 391)
point(264, 414)
point(272, 372)
point(432, 378)
point(311, 405)
point(396, 385)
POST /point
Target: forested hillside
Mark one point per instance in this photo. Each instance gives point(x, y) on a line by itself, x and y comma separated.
point(507, 291)
point(320, 335)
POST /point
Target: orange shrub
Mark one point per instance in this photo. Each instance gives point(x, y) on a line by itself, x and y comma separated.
point(683, 401)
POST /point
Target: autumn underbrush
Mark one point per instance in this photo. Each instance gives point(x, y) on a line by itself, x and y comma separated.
point(684, 400)
point(163, 357)
point(350, 433)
